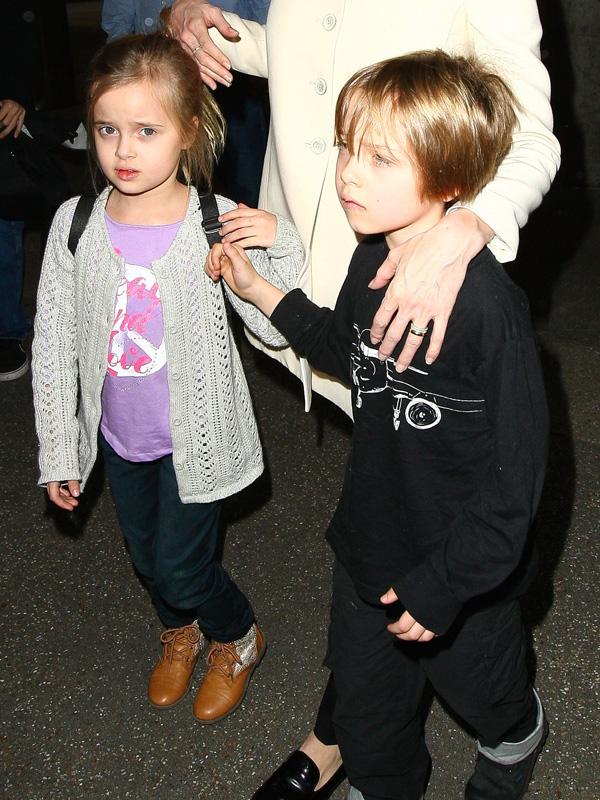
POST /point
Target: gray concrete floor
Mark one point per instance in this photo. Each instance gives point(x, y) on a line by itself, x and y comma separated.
point(80, 636)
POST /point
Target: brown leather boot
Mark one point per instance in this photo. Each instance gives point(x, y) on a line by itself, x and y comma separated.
point(229, 668)
point(170, 679)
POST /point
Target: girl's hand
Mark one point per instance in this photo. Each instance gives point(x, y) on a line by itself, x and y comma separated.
point(64, 494)
point(248, 227)
point(406, 628)
point(427, 272)
point(12, 116)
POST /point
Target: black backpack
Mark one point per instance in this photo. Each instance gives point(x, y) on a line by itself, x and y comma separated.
point(207, 202)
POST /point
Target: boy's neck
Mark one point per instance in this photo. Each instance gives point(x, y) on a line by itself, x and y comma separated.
point(433, 215)
point(161, 206)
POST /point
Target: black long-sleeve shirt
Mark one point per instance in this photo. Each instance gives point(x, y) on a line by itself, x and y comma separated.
point(447, 461)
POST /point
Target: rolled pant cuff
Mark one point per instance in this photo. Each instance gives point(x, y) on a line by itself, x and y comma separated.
point(508, 753)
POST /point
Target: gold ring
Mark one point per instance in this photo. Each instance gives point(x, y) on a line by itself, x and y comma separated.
point(198, 46)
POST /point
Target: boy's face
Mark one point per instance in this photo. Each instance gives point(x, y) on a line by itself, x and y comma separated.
point(379, 189)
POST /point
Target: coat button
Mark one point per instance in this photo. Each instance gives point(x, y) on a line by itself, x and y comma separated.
point(329, 21)
point(320, 86)
point(317, 146)
point(149, 22)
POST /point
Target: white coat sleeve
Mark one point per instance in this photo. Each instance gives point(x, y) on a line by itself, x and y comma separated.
point(249, 53)
point(506, 36)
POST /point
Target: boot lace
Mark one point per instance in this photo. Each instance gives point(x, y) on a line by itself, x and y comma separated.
point(223, 657)
point(180, 644)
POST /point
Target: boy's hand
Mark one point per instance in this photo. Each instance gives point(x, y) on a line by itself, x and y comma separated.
point(228, 261)
point(248, 227)
point(64, 494)
point(406, 628)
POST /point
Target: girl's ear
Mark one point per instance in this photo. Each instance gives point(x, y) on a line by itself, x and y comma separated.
point(190, 141)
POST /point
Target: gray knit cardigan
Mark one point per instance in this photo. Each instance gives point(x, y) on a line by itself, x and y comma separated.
point(216, 448)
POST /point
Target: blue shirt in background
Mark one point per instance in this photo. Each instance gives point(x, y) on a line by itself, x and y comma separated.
point(122, 17)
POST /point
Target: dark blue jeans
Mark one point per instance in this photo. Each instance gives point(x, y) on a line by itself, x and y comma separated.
point(173, 546)
point(14, 323)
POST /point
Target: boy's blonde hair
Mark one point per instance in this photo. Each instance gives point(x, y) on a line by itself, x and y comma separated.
point(173, 75)
point(455, 118)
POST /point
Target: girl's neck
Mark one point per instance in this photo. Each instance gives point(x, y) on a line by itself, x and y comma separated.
point(161, 206)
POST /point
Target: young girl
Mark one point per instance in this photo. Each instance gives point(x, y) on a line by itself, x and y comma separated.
point(133, 355)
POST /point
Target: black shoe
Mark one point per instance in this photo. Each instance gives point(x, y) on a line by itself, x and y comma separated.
point(296, 779)
point(14, 361)
point(493, 781)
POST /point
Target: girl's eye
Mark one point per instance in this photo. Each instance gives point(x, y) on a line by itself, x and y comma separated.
point(341, 144)
point(106, 130)
point(147, 131)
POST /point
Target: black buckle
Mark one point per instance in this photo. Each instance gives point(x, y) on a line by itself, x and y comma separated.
point(211, 226)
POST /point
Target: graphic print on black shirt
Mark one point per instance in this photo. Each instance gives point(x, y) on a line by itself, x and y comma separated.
point(422, 409)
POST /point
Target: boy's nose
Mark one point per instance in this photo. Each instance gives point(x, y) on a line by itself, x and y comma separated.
point(350, 171)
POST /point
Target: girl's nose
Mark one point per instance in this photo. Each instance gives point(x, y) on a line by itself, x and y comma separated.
point(124, 147)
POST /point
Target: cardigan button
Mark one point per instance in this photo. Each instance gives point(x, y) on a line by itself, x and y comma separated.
point(177, 422)
point(178, 466)
point(317, 146)
point(329, 21)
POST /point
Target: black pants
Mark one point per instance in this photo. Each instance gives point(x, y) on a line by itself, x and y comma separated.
point(173, 546)
point(373, 705)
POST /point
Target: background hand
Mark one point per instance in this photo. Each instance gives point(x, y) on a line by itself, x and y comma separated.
point(427, 272)
point(64, 494)
point(248, 227)
point(406, 628)
point(190, 21)
point(12, 115)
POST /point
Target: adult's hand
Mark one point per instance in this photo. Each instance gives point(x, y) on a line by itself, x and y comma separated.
point(426, 273)
point(190, 21)
point(12, 115)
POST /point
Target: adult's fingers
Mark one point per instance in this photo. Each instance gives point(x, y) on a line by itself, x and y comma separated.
point(440, 325)
point(384, 274)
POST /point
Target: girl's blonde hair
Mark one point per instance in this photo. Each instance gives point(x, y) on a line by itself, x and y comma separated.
point(173, 74)
point(454, 115)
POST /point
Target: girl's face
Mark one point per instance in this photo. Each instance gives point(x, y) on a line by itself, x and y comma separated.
point(379, 189)
point(138, 145)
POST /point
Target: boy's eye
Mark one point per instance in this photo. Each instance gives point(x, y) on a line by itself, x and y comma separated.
point(106, 130)
point(147, 131)
point(380, 160)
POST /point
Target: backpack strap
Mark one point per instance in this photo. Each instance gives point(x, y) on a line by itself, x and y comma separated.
point(83, 209)
point(210, 218)
point(208, 205)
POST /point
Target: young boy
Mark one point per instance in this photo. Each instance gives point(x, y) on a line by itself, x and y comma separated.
point(447, 462)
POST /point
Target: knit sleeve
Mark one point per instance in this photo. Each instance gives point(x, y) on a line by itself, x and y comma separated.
point(54, 356)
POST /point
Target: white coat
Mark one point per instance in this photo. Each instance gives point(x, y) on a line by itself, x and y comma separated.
point(309, 48)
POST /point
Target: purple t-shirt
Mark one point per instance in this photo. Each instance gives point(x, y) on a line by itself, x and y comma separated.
point(135, 395)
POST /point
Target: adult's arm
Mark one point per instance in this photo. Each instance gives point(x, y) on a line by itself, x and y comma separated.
point(234, 38)
point(507, 37)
